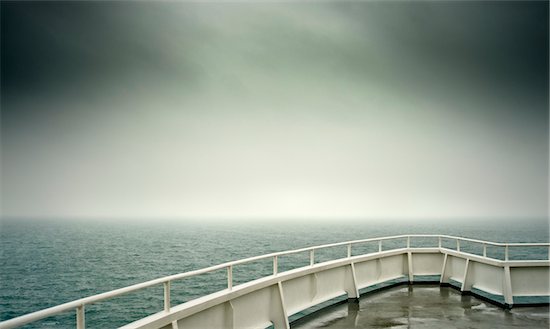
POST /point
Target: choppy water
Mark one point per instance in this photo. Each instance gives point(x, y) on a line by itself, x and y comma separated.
point(45, 263)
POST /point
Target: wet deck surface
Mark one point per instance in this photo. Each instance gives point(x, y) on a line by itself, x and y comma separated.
point(424, 307)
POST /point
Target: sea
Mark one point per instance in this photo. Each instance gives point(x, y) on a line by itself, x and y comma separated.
point(46, 262)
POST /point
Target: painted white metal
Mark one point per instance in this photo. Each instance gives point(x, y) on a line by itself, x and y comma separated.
point(426, 263)
point(530, 281)
point(300, 293)
point(508, 297)
point(444, 277)
point(355, 292)
point(286, 325)
point(410, 266)
point(230, 277)
point(80, 320)
point(167, 296)
point(487, 278)
point(271, 299)
point(389, 265)
point(466, 284)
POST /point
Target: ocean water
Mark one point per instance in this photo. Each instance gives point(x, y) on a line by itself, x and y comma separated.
point(47, 262)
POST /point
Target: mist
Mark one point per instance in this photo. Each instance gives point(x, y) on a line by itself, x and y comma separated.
point(407, 111)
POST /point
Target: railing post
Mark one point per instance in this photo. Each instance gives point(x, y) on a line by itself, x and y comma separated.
point(230, 277)
point(167, 296)
point(439, 242)
point(80, 319)
point(508, 295)
point(79, 305)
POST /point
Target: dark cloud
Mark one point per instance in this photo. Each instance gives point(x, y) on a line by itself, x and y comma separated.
point(457, 88)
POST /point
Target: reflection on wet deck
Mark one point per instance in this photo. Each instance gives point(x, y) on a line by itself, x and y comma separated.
point(422, 306)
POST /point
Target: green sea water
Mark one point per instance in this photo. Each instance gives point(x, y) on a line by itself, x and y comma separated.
point(47, 262)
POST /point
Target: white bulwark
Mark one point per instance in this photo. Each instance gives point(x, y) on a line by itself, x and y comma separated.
point(270, 300)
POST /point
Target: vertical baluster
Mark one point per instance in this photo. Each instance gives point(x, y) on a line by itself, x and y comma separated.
point(408, 242)
point(457, 245)
point(379, 245)
point(167, 296)
point(80, 317)
point(439, 242)
point(275, 265)
point(312, 257)
point(349, 250)
point(230, 277)
point(484, 250)
point(506, 252)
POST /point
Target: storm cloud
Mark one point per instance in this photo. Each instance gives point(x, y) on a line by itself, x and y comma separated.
point(275, 109)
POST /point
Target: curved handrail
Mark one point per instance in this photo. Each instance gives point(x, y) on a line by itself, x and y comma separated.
point(80, 303)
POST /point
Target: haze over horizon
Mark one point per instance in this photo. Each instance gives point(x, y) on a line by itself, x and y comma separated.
point(146, 110)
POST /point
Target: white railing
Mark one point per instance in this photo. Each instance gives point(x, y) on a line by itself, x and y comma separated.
point(79, 305)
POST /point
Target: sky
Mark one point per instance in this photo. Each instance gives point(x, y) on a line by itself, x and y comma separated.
point(307, 110)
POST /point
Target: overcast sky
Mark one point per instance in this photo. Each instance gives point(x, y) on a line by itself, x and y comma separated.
point(274, 110)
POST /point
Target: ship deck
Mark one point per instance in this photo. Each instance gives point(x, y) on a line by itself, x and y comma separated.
point(423, 306)
point(269, 300)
